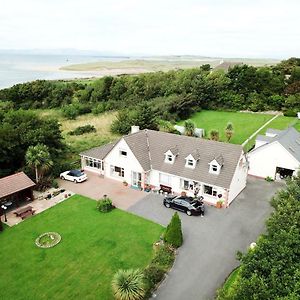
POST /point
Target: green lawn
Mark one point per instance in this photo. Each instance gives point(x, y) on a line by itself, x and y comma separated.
point(281, 122)
point(230, 281)
point(93, 247)
point(244, 124)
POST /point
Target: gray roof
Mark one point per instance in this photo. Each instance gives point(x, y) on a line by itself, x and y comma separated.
point(263, 138)
point(273, 131)
point(149, 147)
point(99, 152)
point(289, 139)
point(220, 160)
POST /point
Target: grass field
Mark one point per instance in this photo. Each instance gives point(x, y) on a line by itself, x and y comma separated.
point(280, 122)
point(86, 141)
point(244, 124)
point(93, 247)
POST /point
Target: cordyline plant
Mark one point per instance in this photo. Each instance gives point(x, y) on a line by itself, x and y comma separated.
point(128, 285)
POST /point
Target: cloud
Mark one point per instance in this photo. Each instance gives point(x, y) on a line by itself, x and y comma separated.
point(231, 28)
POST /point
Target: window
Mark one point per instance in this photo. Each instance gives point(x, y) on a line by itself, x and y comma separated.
point(164, 179)
point(93, 163)
point(190, 162)
point(123, 153)
point(117, 171)
point(209, 190)
point(170, 158)
point(214, 168)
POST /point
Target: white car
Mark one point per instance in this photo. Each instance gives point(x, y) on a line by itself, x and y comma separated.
point(73, 175)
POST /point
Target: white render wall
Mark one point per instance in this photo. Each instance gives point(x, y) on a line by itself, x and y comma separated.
point(239, 179)
point(129, 163)
point(175, 182)
point(264, 160)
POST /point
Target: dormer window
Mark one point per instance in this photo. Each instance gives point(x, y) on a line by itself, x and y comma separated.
point(190, 162)
point(214, 168)
point(169, 157)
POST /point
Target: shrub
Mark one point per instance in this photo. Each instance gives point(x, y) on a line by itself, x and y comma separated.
point(100, 108)
point(104, 205)
point(54, 184)
point(164, 257)
point(83, 129)
point(128, 285)
point(173, 234)
point(152, 275)
point(290, 113)
point(73, 110)
point(269, 179)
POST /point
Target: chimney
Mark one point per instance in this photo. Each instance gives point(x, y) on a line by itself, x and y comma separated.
point(135, 129)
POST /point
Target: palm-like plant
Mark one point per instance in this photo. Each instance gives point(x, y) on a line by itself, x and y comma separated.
point(189, 127)
point(214, 135)
point(38, 157)
point(128, 285)
point(229, 131)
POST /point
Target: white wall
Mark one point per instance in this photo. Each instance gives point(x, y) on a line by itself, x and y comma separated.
point(175, 184)
point(264, 160)
point(239, 179)
point(129, 163)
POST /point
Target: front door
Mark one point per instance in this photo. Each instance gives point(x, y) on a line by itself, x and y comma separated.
point(136, 179)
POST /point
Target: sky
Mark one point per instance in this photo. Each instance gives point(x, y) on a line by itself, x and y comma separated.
point(226, 28)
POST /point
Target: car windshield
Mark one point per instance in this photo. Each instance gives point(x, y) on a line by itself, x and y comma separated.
point(76, 173)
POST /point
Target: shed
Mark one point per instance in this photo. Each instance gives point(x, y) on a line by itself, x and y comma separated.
point(16, 188)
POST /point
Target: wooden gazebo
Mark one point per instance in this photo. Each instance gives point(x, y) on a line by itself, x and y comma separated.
point(16, 188)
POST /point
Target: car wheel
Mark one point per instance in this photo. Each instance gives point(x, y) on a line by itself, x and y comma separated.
point(62, 177)
point(167, 205)
point(188, 212)
point(75, 181)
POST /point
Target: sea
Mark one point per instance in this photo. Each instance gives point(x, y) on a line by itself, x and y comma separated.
point(20, 68)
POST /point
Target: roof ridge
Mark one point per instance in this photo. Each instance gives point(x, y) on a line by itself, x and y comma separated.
point(148, 147)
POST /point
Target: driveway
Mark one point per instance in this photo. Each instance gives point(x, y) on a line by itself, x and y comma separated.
point(210, 244)
point(95, 187)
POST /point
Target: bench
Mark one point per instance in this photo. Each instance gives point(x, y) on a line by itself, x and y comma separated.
point(23, 210)
point(165, 188)
point(27, 214)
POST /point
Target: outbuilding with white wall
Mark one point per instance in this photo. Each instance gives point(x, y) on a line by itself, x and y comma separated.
point(276, 155)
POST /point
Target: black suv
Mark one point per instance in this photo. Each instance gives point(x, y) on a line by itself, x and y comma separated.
point(189, 205)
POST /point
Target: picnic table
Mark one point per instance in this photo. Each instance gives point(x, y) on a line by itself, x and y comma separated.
point(24, 212)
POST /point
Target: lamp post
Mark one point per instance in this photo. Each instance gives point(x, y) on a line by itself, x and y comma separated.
point(4, 209)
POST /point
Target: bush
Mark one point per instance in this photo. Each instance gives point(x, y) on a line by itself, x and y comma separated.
point(290, 113)
point(104, 205)
point(128, 285)
point(54, 184)
point(100, 108)
point(173, 235)
point(269, 179)
point(152, 275)
point(164, 257)
point(73, 110)
point(82, 129)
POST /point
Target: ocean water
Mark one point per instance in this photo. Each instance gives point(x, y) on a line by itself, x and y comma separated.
point(16, 68)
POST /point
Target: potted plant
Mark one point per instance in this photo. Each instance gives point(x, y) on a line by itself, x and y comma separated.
point(220, 203)
point(125, 183)
point(147, 188)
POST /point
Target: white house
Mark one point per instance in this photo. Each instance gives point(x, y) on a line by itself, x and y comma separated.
point(152, 158)
point(277, 154)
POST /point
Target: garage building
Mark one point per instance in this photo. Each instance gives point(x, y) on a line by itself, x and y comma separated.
point(276, 154)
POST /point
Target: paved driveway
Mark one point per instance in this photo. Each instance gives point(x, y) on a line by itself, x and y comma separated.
point(208, 254)
point(95, 187)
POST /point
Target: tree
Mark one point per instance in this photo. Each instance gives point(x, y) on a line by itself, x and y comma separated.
point(145, 117)
point(214, 135)
point(173, 234)
point(189, 127)
point(128, 285)
point(229, 131)
point(38, 157)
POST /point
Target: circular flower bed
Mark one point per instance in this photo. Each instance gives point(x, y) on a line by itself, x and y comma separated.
point(48, 240)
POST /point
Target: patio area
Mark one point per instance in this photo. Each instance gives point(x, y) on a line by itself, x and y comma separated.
point(39, 204)
point(95, 187)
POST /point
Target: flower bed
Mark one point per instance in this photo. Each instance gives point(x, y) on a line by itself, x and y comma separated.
point(48, 240)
